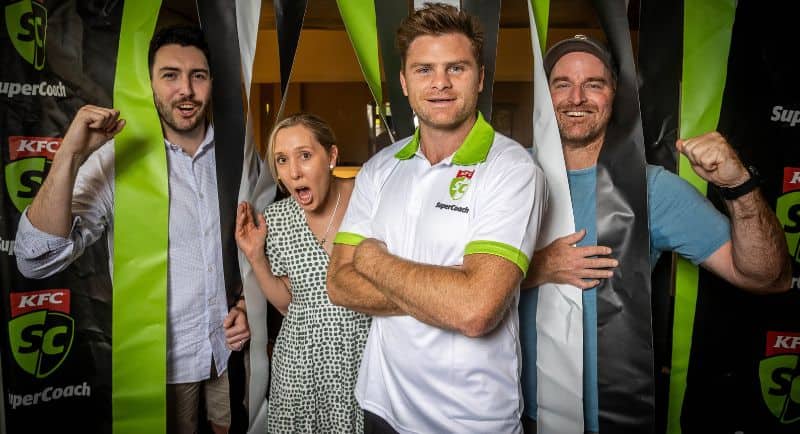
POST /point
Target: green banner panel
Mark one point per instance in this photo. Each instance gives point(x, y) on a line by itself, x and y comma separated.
point(541, 15)
point(139, 345)
point(706, 43)
point(360, 23)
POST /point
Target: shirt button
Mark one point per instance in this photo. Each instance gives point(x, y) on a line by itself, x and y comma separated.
point(210, 268)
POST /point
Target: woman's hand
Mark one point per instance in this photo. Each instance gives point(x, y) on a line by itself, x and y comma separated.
point(250, 234)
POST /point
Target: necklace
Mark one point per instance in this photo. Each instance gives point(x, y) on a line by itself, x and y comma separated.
point(330, 222)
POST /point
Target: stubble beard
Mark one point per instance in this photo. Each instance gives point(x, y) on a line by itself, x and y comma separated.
point(580, 135)
point(458, 119)
point(165, 113)
point(579, 139)
point(452, 124)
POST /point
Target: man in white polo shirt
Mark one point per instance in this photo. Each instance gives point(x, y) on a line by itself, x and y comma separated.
point(437, 236)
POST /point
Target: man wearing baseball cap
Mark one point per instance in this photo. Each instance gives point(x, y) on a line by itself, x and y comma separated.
point(748, 250)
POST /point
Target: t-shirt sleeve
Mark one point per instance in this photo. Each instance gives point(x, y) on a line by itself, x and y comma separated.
point(682, 220)
point(272, 246)
point(357, 223)
point(509, 209)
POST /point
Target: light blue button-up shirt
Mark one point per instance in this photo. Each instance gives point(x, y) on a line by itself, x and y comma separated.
point(196, 302)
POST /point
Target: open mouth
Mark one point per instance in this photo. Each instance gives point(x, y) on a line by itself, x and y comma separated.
point(576, 114)
point(187, 109)
point(303, 195)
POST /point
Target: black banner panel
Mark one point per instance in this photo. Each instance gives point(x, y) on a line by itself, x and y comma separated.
point(661, 55)
point(625, 384)
point(56, 333)
point(744, 371)
point(744, 364)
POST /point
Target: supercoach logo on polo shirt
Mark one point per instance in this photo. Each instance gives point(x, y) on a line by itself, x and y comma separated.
point(460, 184)
point(452, 207)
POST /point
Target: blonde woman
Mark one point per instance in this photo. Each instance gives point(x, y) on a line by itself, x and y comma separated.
point(318, 350)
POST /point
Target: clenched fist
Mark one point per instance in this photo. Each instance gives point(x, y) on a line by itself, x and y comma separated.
point(714, 159)
point(91, 127)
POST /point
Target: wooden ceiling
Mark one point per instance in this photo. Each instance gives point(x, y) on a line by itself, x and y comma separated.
point(324, 14)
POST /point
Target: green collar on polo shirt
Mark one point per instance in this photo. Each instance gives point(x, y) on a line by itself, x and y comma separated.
point(473, 151)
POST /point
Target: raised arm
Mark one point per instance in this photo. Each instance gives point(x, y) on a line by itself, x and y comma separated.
point(756, 258)
point(51, 209)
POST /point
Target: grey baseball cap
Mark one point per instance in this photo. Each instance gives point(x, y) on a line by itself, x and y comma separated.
point(582, 43)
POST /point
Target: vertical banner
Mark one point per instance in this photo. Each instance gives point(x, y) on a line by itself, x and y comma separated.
point(735, 356)
point(360, 22)
point(258, 188)
point(554, 312)
point(288, 23)
point(744, 365)
point(489, 15)
point(141, 205)
point(289, 15)
point(218, 21)
point(661, 56)
point(626, 384)
point(389, 15)
point(55, 333)
point(706, 40)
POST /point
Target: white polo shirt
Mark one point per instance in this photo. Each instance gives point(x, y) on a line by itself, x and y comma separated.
point(485, 198)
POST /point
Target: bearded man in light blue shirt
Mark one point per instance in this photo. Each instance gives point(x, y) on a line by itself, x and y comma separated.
point(75, 207)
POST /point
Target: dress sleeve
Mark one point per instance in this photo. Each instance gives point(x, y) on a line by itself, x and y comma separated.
point(272, 245)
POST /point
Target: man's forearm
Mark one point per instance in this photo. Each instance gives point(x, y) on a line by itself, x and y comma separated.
point(51, 209)
point(350, 289)
point(452, 298)
point(394, 277)
point(758, 245)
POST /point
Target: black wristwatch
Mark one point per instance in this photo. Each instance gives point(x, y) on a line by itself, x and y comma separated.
point(732, 193)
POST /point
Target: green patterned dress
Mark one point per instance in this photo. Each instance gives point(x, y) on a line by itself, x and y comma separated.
point(318, 350)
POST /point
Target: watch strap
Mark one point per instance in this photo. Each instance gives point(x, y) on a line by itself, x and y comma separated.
point(732, 193)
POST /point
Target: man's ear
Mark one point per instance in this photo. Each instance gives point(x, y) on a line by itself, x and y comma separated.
point(403, 83)
point(480, 84)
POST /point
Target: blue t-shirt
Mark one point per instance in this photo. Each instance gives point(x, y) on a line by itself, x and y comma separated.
point(680, 220)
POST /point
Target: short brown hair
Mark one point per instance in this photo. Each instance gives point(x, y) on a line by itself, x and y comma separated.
point(436, 19)
point(321, 130)
point(185, 36)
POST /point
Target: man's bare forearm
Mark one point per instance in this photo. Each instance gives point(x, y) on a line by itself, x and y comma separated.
point(51, 209)
point(350, 289)
point(758, 244)
point(469, 299)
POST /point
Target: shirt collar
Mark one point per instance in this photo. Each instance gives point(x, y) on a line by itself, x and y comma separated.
point(473, 151)
point(206, 144)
